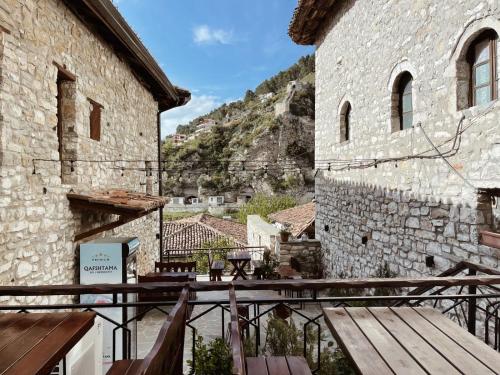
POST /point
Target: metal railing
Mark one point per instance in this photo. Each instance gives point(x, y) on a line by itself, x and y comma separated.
point(470, 295)
point(256, 252)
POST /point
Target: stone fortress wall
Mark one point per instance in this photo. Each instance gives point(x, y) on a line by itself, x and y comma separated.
point(37, 226)
point(401, 212)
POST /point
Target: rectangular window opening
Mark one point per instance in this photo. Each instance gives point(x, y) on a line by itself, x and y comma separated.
point(95, 120)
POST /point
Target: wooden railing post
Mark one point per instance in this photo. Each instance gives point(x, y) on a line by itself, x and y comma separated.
point(471, 310)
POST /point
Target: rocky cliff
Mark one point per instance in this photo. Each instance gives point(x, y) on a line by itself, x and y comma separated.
point(264, 143)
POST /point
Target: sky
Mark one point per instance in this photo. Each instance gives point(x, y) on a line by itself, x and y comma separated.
point(217, 49)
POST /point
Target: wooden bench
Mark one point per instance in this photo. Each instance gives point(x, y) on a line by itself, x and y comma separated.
point(175, 266)
point(158, 296)
point(407, 340)
point(216, 267)
point(289, 365)
point(166, 356)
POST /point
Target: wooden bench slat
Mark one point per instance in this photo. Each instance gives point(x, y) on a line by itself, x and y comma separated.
point(277, 366)
point(19, 325)
point(425, 354)
point(120, 367)
point(298, 366)
point(391, 351)
point(217, 265)
point(256, 366)
point(22, 344)
point(354, 344)
point(455, 354)
point(469, 342)
point(62, 338)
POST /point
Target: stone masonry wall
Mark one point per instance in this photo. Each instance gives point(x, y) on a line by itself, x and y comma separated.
point(307, 253)
point(418, 206)
point(37, 226)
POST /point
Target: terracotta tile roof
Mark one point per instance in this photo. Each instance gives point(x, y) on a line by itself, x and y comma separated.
point(193, 232)
point(299, 217)
point(117, 201)
point(308, 18)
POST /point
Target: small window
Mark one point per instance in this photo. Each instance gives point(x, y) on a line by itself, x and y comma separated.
point(345, 122)
point(405, 105)
point(95, 120)
point(481, 57)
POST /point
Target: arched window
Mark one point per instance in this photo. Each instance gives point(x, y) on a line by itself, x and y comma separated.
point(345, 122)
point(481, 56)
point(405, 101)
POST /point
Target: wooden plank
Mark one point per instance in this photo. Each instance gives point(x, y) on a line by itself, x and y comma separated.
point(419, 349)
point(256, 366)
point(303, 284)
point(388, 348)
point(120, 367)
point(354, 344)
point(487, 355)
point(47, 353)
point(7, 319)
point(19, 324)
point(298, 366)
point(236, 340)
point(455, 354)
point(23, 343)
point(277, 366)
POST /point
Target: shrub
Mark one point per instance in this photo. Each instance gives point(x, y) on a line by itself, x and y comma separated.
point(218, 253)
point(264, 205)
point(213, 358)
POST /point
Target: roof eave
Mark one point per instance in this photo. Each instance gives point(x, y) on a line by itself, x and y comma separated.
point(308, 19)
point(103, 18)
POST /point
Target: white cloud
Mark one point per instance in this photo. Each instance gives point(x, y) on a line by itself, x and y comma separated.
point(198, 105)
point(204, 34)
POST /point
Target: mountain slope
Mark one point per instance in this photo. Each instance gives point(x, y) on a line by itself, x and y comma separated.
point(264, 143)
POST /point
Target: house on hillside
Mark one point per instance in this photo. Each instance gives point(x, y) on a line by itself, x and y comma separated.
point(407, 137)
point(79, 136)
point(196, 231)
point(300, 219)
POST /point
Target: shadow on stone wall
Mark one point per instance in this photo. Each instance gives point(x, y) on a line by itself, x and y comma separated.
point(360, 226)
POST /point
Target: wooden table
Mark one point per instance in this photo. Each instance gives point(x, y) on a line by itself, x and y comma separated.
point(190, 275)
point(239, 260)
point(35, 343)
point(406, 340)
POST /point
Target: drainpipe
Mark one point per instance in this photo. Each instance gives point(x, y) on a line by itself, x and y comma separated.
point(160, 181)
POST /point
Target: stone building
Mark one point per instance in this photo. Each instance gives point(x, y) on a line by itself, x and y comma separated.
point(80, 104)
point(407, 132)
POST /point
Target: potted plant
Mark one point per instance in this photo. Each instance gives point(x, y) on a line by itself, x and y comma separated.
point(285, 232)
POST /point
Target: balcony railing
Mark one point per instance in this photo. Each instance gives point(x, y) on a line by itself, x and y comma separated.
point(468, 294)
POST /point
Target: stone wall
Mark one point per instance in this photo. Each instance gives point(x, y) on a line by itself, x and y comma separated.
point(306, 253)
point(360, 54)
point(37, 226)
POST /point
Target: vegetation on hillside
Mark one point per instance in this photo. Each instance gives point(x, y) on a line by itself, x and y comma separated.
point(264, 205)
point(203, 160)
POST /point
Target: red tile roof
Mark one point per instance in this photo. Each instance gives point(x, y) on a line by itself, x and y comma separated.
point(299, 217)
point(194, 232)
point(308, 17)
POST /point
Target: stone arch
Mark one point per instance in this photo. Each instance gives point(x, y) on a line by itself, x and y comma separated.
point(344, 115)
point(459, 68)
point(399, 71)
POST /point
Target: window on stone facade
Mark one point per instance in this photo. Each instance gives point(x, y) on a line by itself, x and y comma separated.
point(65, 103)
point(482, 59)
point(405, 101)
point(345, 122)
point(95, 120)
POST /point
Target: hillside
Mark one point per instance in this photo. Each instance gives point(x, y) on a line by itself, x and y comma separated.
point(264, 143)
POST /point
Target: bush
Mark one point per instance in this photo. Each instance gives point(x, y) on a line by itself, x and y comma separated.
point(264, 205)
point(218, 253)
point(213, 358)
